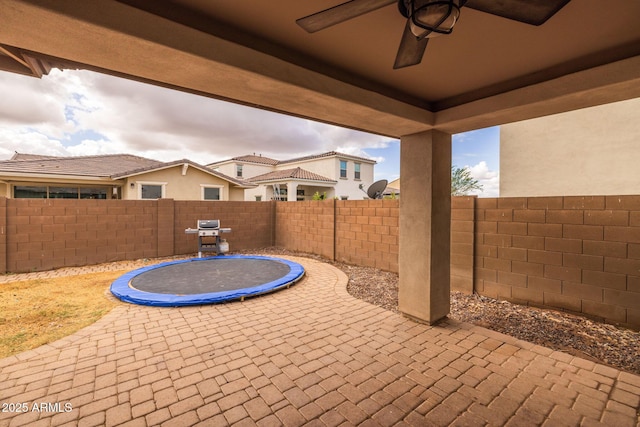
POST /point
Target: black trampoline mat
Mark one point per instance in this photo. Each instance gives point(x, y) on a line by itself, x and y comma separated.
point(208, 276)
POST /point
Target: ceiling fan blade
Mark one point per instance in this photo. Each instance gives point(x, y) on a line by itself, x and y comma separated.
point(534, 12)
point(340, 13)
point(411, 49)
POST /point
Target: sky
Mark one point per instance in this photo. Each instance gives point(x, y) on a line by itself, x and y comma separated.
point(81, 113)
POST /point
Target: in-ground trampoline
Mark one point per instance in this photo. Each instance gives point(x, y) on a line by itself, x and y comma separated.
point(207, 280)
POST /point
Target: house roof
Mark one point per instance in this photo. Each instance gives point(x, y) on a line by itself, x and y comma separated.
point(252, 158)
point(327, 154)
point(238, 182)
point(296, 173)
point(257, 159)
point(25, 156)
point(102, 166)
point(109, 166)
point(249, 158)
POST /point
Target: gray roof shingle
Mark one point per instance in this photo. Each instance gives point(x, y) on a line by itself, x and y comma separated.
point(103, 166)
point(24, 156)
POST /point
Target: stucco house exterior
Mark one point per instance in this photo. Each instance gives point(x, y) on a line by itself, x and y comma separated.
point(331, 174)
point(117, 176)
point(592, 151)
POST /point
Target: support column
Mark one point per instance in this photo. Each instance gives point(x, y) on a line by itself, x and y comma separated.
point(292, 192)
point(425, 226)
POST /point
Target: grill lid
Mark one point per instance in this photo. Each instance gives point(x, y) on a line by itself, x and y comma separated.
point(208, 224)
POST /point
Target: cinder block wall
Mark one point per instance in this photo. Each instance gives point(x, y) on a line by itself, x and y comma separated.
point(251, 223)
point(367, 233)
point(306, 226)
point(580, 254)
point(462, 243)
point(44, 234)
point(47, 234)
point(3, 235)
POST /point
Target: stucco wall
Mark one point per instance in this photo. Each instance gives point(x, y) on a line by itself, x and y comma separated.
point(248, 170)
point(326, 167)
point(179, 187)
point(593, 151)
point(350, 186)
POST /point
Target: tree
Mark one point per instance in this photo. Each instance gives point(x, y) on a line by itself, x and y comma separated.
point(318, 196)
point(462, 182)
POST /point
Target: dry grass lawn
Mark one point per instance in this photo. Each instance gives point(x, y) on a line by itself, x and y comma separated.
point(37, 312)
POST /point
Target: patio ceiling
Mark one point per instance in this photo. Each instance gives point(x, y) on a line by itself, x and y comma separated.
point(490, 71)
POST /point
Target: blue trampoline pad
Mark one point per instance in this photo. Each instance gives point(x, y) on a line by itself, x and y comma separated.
point(207, 280)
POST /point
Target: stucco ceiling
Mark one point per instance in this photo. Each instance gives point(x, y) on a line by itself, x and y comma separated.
point(489, 71)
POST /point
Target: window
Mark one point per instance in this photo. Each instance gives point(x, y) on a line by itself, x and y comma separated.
point(44, 192)
point(63, 192)
point(239, 171)
point(151, 191)
point(356, 173)
point(29, 192)
point(93, 193)
point(343, 168)
point(211, 193)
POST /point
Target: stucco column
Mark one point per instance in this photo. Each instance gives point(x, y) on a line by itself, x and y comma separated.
point(292, 189)
point(425, 223)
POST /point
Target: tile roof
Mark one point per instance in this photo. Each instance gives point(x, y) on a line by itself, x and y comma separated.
point(25, 156)
point(103, 166)
point(296, 173)
point(327, 154)
point(113, 166)
point(252, 158)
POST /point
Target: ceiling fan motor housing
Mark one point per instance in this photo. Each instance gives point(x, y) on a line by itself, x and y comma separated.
point(430, 18)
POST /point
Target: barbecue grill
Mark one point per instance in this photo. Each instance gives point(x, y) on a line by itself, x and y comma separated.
point(208, 231)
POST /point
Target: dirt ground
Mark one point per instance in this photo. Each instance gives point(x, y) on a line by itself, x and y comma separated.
point(576, 335)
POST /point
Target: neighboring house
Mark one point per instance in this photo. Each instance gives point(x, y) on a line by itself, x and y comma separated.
point(593, 151)
point(117, 176)
point(330, 174)
point(393, 189)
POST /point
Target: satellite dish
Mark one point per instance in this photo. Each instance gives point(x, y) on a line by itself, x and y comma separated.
point(376, 189)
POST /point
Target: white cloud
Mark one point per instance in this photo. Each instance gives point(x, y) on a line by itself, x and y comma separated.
point(85, 113)
point(31, 104)
point(490, 180)
point(28, 141)
point(357, 151)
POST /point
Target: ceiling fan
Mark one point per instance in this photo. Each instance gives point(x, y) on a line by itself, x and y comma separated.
point(430, 18)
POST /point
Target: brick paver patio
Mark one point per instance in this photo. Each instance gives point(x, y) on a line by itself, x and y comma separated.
point(309, 355)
